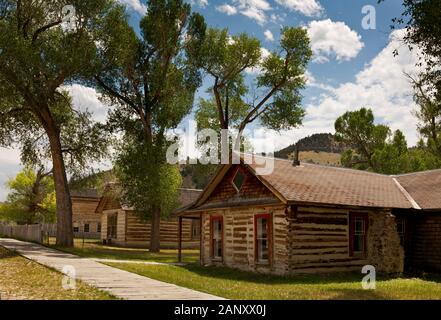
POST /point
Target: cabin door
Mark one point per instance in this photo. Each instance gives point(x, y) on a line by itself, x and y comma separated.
point(112, 221)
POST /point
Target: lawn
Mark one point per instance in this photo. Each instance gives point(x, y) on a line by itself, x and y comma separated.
point(94, 249)
point(25, 279)
point(233, 284)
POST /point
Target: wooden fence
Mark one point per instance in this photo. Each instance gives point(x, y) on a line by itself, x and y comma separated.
point(31, 232)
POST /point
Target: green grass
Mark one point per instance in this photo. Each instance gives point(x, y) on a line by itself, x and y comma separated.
point(233, 284)
point(21, 278)
point(94, 249)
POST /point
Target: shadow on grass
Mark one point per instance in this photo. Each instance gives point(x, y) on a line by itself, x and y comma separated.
point(5, 253)
point(259, 278)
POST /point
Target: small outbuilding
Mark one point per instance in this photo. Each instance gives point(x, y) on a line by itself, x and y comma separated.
point(122, 226)
point(305, 218)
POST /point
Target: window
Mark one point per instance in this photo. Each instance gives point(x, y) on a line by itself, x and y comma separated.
point(98, 227)
point(357, 234)
point(262, 232)
point(401, 229)
point(111, 225)
point(195, 229)
point(86, 227)
point(238, 179)
point(76, 229)
point(216, 237)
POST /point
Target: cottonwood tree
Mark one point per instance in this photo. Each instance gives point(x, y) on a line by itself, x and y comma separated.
point(374, 147)
point(273, 98)
point(38, 55)
point(31, 198)
point(151, 80)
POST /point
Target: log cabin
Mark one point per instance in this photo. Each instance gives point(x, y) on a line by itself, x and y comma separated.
point(305, 218)
point(122, 226)
point(86, 222)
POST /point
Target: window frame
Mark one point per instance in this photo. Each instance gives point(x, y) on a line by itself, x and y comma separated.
point(269, 232)
point(212, 220)
point(352, 217)
point(236, 171)
point(195, 225)
point(88, 228)
point(401, 235)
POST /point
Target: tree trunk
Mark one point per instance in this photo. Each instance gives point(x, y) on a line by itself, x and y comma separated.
point(155, 231)
point(64, 203)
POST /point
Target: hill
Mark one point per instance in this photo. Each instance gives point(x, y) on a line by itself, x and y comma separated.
point(320, 148)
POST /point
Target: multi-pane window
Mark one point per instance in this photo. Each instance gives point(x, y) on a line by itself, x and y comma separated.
point(401, 229)
point(195, 229)
point(86, 227)
point(76, 229)
point(238, 179)
point(111, 225)
point(98, 227)
point(216, 237)
point(262, 224)
point(358, 231)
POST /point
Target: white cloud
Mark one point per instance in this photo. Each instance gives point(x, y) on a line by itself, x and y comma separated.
point(263, 54)
point(85, 98)
point(333, 39)
point(310, 8)
point(227, 9)
point(253, 9)
point(135, 5)
point(381, 86)
point(9, 167)
point(203, 3)
point(268, 35)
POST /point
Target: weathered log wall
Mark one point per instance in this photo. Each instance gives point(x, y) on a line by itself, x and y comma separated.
point(426, 242)
point(133, 232)
point(83, 212)
point(309, 240)
point(238, 239)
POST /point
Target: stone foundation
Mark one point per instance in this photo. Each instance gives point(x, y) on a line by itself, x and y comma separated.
point(384, 249)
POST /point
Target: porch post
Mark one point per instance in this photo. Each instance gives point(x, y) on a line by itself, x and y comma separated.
point(200, 240)
point(180, 240)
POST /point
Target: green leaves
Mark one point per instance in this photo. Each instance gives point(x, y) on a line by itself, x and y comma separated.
point(31, 199)
point(147, 184)
point(273, 97)
point(372, 147)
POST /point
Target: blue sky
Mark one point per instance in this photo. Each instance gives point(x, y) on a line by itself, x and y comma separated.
point(352, 67)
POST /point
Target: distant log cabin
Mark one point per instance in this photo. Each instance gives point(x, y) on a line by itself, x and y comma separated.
point(310, 219)
point(122, 226)
point(86, 222)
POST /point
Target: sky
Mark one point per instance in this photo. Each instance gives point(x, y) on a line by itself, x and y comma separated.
point(353, 64)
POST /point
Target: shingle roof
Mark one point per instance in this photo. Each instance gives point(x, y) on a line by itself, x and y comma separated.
point(424, 187)
point(331, 185)
point(188, 196)
point(85, 193)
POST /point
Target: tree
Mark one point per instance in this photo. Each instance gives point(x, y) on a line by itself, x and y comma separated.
point(422, 20)
point(37, 56)
point(428, 114)
point(274, 98)
point(357, 129)
point(32, 198)
point(375, 148)
point(151, 79)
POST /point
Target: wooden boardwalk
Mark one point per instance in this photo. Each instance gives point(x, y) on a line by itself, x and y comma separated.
point(120, 283)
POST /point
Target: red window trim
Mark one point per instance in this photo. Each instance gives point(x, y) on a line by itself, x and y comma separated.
point(212, 219)
point(352, 216)
point(270, 236)
point(242, 170)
